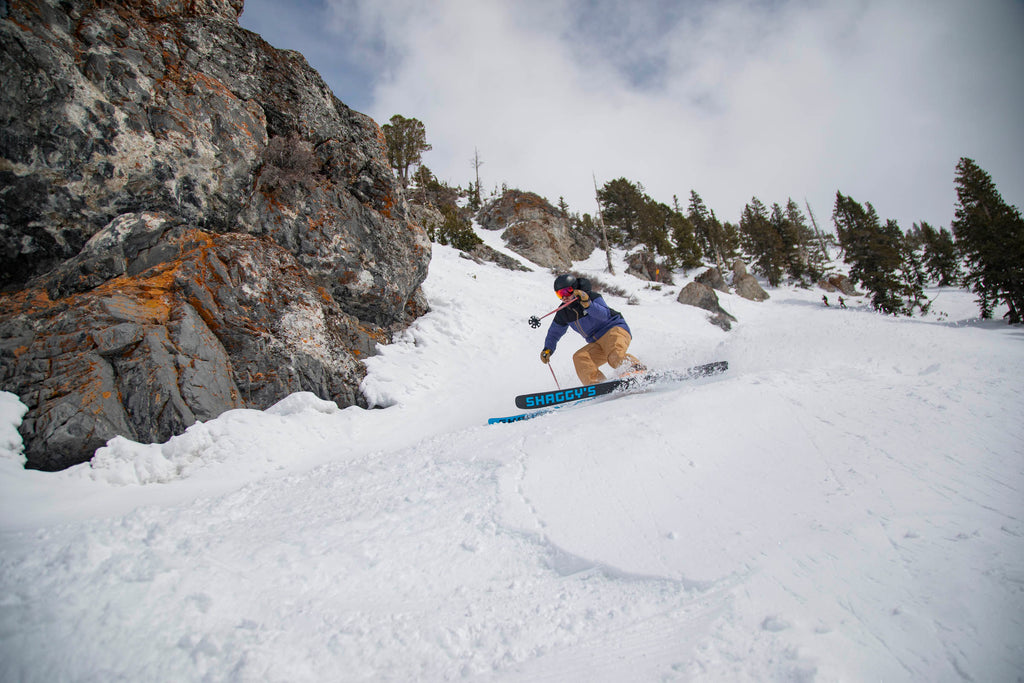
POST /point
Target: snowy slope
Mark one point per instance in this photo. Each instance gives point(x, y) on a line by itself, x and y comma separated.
point(846, 503)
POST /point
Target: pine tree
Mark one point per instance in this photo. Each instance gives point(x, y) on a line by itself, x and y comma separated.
point(563, 206)
point(807, 262)
point(717, 241)
point(406, 141)
point(700, 217)
point(621, 203)
point(990, 236)
point(422, 179)
point(912, 276)
point(762, 240)
point(878, 257)
point(456, 231)
point(941, 261)
point(686, 247)
point(727, 237)
point(652, 228)
point(789, 237)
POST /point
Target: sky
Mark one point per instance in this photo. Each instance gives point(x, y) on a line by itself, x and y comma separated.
point(776, 99)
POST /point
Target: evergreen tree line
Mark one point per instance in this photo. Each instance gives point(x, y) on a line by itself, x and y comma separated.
point(984, 251)
point(778, 243)
point(880, 258)
point(633, 218)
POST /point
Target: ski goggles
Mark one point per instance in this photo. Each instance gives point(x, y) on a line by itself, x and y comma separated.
point(564, 293)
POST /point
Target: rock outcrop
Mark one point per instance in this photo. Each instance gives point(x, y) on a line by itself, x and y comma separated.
point(702, 296)
point(482, 253)
point(536, 230)
point(190, 222)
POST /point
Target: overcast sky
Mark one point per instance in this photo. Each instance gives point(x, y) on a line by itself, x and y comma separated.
point(878, 99)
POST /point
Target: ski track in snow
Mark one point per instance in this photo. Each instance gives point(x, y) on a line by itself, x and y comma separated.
point(844, 504)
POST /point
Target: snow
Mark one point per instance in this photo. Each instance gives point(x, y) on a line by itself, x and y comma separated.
point(11, 413)
point(846, 503)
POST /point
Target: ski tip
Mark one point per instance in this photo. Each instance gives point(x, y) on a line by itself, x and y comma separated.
point(510, 418)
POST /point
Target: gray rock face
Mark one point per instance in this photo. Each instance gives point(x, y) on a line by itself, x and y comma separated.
point(227, 321)
point(189, 222)
point(535, 230)
point(702, 296)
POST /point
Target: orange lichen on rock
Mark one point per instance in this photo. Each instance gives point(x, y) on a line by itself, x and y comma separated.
point(25, 301)
point(375, 333)
point(215, 85)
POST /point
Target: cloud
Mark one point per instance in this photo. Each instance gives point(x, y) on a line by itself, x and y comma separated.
point(773, 98)
point(338, 38)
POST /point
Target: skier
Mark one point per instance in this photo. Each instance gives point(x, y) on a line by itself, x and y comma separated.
point(842, 302)
point(608, 337)
point(824, 299)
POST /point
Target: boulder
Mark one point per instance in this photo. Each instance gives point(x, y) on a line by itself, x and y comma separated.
point(645, 266)
point(748, 287)
point(712, 277)
point(190, 222)
point(745, 284)
point(702, 296)
point(536, 230)
point(841, 283)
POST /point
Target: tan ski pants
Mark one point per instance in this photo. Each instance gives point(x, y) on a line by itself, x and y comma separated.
point(610, 348)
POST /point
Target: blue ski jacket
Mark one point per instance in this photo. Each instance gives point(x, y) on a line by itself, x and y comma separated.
point(592, 323)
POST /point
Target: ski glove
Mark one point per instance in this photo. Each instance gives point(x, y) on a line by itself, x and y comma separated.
point(545, 356)
point(582, 297)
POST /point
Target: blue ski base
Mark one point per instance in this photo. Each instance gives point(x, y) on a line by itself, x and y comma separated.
point(534, 413)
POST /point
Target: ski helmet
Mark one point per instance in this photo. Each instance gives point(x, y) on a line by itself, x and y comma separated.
point(564, 282)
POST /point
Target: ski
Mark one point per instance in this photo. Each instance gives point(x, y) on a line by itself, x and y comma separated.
point(618, 387)
point(554, 409)
point(549, 399)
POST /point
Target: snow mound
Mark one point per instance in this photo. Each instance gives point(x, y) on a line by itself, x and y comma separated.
point(12, 410)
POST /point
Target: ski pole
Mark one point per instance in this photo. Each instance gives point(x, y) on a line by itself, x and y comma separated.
point(535, 321)
point(557, 385)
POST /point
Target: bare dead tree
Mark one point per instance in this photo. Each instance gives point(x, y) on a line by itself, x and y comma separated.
point(817, 232)
point(604, 230)
point(476, 169)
